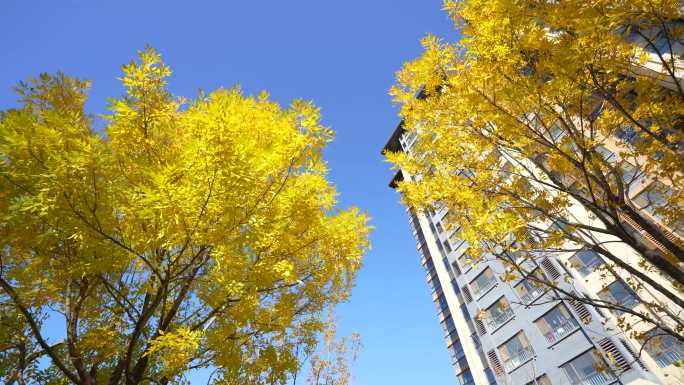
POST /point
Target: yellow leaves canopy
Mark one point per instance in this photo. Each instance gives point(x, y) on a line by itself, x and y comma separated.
point(546, 106)
point(200, 232)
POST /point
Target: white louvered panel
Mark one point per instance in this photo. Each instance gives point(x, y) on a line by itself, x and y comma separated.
point(466, 294)
point(632, 353)
point(581, 310)
point(550, 269)
point(479, 325)
point(614, 356)
point(495, 363)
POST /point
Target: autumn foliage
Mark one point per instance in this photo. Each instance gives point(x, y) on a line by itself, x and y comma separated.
point(184, 234)
point(544, 107)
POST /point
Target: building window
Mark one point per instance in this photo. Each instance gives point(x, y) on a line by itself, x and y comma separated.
point(491, 379)
point(447, 246)
point(441, 303)
point(440, 229)
point(458, 356)
point(608, 156)
point(556, 132)
point(498, 314)
point(454, 285)
point(448, 325)
point(483, 282)
point(466, 378)
point(456, 269)
point(620, 294)
point(631, 176)
point(515, 352)
point(557, 324)
point(588, 369)
point(665, 349)
point(464, 310)
point(455, 237)
point(655, 196)
point(586, 262)
point(629, 135)
point(463, 261)
point(529, 289)
point(653, 199)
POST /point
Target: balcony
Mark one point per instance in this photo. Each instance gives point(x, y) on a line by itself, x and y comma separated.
point(597, 379)
point(667, 358)
point(486, 286)
point(519, 358)
point(562, 330)
point(531, 295)
point(498, 319)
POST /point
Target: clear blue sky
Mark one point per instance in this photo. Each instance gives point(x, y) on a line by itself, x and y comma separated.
point(340, 54)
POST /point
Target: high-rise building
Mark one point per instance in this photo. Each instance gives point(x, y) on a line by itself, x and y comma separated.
point(525, 334)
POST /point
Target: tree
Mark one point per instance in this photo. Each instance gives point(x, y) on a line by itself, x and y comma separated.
point(514, 124)
point(333, 363)
point(183, 235)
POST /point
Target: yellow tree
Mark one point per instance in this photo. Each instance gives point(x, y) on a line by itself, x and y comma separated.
point(544, 106)
point(332, 365)
point(185, 234)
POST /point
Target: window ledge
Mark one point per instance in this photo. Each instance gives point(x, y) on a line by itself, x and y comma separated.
point(553, 344)
point(502, 325)
point(481, 295)
point(522, 364)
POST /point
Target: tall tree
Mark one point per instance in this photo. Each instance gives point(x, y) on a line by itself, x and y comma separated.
point(183, 235)
point(514, 124)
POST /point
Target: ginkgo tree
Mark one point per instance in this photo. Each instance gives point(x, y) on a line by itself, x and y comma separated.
point(544, 107)
point(184, 234)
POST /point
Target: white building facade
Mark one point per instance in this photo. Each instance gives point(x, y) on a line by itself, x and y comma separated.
point(525, 334)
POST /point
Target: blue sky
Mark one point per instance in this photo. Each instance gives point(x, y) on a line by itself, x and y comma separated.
point(340, 54)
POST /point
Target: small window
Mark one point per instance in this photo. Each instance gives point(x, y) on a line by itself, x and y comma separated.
point(556, 324)
point(588, 368)
point(441, 302)
point(629, 135)
point(529, 288)
point(586, 262)
point(464, 311)
point(653, 199)
point(447, 246)
point(440, 229)
point(483, 282)
point(620, 294)
point(655, 196)
point(491, 378)
point(463, 261)
point(454, 237)
point(456, 269)
point(665, 349)
point(608, 156)
point(466, 378)
point(556, 131)
point(448, 324)
point(515, 352)
point(498, 314)
point(631, 176)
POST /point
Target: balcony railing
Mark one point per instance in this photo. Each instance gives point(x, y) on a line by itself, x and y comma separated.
point(560, 331)
point(519, 358)
point(597, 379)
point(667, 358)
point(496, 320)
point(480, 290)
point(531, 295)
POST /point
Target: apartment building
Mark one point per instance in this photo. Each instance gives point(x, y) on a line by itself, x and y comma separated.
point(525, 334)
